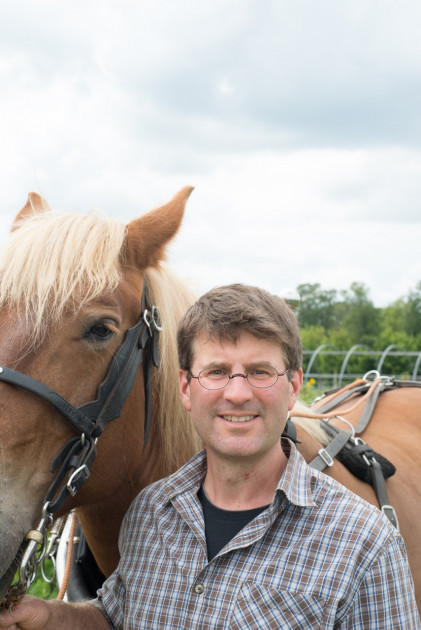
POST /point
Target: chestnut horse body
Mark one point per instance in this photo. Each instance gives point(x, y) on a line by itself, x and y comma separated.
point(70, 288)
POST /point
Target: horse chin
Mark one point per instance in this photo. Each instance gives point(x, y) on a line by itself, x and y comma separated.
point(7, 578)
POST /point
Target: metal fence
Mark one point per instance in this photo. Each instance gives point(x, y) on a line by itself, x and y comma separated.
point(333, 367)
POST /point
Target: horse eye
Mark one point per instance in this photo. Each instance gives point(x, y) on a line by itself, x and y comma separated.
point(99, 331)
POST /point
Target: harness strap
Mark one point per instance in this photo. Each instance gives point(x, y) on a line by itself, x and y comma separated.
point(369, 407)
point(327, 454)
point(343, 395)
point(75, 416)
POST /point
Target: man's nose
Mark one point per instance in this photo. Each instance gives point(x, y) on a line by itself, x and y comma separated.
point(238, 389)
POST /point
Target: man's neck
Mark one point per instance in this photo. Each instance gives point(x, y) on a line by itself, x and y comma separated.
point(235, 484)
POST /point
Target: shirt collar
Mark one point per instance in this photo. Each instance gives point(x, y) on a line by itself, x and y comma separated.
point(295, 482)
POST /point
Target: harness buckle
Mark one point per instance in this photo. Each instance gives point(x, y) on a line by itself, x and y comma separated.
point(359, 442)
point(326, 457)
point(77, 479)
point(152, 320)
point(390, 512)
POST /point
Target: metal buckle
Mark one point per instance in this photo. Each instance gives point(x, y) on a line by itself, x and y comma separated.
point(326, 457)
point(358, 441)
point(156, 318)
point(152, 320)
point(390, 512)
point(36, 549)
point(82, 470)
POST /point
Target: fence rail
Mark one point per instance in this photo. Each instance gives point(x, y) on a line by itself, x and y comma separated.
point(331, 366)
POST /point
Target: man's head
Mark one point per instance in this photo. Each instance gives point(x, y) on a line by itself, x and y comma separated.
point(223, 313)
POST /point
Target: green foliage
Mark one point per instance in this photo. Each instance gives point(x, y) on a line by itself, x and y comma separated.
point(40, 587)
point(310, 391)
point(341, 320)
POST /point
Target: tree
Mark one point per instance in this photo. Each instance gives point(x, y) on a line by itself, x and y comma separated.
point(362, 320)
point(317, 306)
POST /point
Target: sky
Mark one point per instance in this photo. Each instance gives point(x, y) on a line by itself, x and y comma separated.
point(298, 122)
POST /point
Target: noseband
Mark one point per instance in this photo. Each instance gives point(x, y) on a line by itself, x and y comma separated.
point(76, 457)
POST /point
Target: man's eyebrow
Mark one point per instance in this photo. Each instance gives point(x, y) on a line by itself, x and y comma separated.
point(248, 366)
point(218, 364)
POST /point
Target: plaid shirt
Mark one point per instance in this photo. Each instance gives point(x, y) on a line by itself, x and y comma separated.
point(317, 557)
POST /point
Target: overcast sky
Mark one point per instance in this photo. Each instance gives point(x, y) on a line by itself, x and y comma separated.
point(297, 121)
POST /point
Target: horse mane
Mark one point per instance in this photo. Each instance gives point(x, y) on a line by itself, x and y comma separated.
point(177, 438)
point(58, 262)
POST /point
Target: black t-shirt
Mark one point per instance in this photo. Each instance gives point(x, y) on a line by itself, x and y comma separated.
point(222, 525)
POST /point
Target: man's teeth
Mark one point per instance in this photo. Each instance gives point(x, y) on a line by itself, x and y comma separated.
point(238, 418)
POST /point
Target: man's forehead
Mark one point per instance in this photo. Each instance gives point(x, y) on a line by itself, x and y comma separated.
point(215, 347)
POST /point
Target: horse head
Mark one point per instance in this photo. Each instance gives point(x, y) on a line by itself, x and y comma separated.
point(71, 290)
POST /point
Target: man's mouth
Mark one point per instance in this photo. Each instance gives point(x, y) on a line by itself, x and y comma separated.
point(238, 418)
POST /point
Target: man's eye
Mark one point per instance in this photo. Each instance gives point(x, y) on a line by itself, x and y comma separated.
point(262, 373)
point(214, 373)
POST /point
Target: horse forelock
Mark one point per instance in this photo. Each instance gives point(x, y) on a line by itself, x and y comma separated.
point(54, 262)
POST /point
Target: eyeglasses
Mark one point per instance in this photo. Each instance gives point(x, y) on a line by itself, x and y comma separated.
point(218, 378)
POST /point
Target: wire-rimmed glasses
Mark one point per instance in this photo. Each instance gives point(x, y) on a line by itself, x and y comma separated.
point(218, 378)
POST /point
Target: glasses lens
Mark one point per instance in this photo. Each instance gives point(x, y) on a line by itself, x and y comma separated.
point(262, 376)
point(214, 378)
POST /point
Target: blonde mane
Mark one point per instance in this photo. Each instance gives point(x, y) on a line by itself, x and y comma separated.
point(178, 438)
point(56, 262)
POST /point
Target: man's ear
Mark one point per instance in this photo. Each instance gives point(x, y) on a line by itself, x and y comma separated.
point(294, 387)
point(184, 389)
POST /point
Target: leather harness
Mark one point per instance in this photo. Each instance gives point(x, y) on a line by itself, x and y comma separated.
point(340, 439)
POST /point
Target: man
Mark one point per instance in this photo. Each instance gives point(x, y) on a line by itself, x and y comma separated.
point(245, 535)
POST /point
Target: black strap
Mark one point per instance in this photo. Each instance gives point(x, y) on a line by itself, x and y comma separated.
point(77, 418)
point(327, 454)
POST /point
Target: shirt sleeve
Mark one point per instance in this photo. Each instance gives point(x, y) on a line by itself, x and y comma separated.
point(111, 601)
point(384, 599)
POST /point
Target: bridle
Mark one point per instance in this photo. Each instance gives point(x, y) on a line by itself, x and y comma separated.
point(75, 458)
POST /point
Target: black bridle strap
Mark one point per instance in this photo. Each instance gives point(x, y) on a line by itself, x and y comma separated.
point(80, 422)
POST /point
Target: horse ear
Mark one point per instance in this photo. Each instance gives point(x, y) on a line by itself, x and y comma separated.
point(148, 235)
point(34, 205)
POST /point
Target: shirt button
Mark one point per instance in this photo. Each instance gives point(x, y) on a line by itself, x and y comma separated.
point(199, 588)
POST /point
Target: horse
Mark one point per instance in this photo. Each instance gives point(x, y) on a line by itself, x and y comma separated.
point(85, 301)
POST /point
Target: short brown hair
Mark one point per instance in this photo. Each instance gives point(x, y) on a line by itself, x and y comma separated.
point(225, 312)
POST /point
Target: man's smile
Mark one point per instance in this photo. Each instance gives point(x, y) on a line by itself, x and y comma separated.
point(238, 418)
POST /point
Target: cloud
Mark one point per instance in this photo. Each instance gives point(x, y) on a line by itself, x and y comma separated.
point(298, 123)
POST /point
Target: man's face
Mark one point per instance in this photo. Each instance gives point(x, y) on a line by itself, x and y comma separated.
point(239, 420)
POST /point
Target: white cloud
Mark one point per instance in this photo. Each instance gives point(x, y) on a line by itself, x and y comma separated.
point(297, 121)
